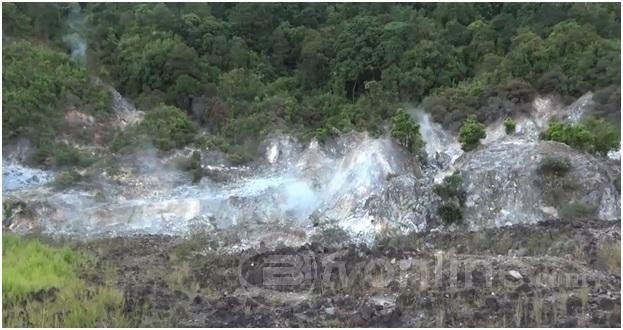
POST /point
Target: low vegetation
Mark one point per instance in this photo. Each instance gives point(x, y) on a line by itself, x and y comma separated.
point(450, 213)
point(558, 166)
point(509, 125)
point(67, 179)
point(41, 287)
point(471, 132)
point(61, 155)
point(591, 135)
point(240, 71)
point(165, 127)
point(194, 166)
point(453, 198)
point(609, 256)
point(577, 211)
point(39, 83)
point(406, 131)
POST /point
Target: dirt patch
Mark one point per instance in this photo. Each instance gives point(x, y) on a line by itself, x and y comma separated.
point(550, 274)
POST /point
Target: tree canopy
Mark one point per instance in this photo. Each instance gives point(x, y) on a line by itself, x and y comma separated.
point(242, 70)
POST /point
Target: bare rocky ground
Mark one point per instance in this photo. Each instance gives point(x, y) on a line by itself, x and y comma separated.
point(551, 274)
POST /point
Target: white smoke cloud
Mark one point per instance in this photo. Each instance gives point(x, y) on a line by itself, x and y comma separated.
point(76, 36)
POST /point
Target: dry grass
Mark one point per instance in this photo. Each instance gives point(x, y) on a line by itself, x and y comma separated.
point(537, 310)
point(609, 256)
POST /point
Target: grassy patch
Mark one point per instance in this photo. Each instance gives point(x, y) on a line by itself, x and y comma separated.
point(558, 166)
point(574, 211)
point(609, 255)
point(67, 179)
point(41, 288)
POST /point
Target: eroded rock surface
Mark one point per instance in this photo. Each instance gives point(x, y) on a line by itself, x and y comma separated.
point(504, 185)
point(367, 187)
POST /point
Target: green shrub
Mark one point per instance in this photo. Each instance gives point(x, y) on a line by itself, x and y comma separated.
point(554, 165)
point(41, 288)
point(67, 179)
point(471, 132)
point(406, 131)
point(576, 136)
point(61, 155)
point(239, 156)
point(606, 136)
point(195, 166)
point(450, 213)
point(38, 84)
point(453, 198)
point(64, 155)
point(591, 135)
point(166, 127)
point(574, 211)
point(509, 125)
point(451, 188)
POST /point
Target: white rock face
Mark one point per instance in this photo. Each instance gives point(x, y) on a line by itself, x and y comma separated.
point(438, 141)
point(362, 184)
point(544, 109)
point(504, 188)
point(127, 114)
point(366, 186)
point(15, 176)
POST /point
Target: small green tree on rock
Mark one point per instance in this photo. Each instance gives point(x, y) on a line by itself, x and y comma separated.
point(406, 131)
point(195, 166)
point(450, 213)
point(509, 125)
point(471, 132)
point(453, 198)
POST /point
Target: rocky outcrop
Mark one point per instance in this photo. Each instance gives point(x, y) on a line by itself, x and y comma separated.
point(368, 187)
point(16, 176)
point(504, 186)
point(126, 113)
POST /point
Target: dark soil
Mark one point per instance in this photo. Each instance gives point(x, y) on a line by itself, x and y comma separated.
point(550, 274)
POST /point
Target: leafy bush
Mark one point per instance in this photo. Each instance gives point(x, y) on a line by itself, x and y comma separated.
point(575, 136)
point(65, 155)
point(550, 82)
point(574, 211)
point(61, 155)
point(592, 135)
point(195, 166)
point(453, 198)
point(554, 165)
point(67, 179)
point(509, 125)
point(450, 213)
point(606, 136)
point(166, 127)
point(38, 84)
point(451, 188)
point(406, 131)
point(41, 288)
point(470, 133)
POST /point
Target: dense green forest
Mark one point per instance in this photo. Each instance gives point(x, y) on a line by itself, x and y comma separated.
point(228, 74)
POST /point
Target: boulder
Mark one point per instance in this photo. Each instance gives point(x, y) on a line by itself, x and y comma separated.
point(504, 186)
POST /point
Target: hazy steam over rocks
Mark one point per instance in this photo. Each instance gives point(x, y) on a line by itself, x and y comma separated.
point(362, 185)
